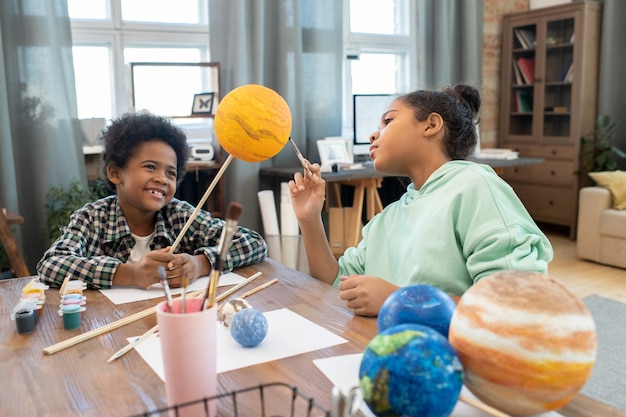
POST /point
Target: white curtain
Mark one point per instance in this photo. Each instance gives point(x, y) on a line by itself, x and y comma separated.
point(40, 139)
point(293, 47)
point(450, 39)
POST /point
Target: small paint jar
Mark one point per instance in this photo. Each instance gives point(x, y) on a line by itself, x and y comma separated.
point(71, 316)
point(25, 321)
point(75, 287)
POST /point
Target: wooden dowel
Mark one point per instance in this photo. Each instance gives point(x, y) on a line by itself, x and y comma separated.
point(132, 344)
point(196, 293)
point(96, 332)
point(259, 288)
point(482, 406)
point(103, 329)
point(200, 204)
point(62, 290)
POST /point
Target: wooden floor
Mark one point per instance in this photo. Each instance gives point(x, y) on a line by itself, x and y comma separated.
point(583, 277)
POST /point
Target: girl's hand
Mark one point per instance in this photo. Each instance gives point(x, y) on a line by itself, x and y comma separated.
point(365, 294)
point(308, 194)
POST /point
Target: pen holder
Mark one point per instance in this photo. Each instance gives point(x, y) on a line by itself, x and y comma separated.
point(71, 316)
point(189, 354)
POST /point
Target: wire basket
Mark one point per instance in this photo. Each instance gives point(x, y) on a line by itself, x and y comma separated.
point(274, 399)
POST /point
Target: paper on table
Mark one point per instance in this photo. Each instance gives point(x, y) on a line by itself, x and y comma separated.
point(343, 372)
point(289, 334)
point(128, 295)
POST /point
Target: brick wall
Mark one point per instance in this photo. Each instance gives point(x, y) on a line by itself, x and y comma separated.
point(490, 91)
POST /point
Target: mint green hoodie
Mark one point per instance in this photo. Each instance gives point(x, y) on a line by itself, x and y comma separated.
point(465, 223)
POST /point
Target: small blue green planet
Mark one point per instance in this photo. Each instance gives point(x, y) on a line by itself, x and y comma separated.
point(410, 370)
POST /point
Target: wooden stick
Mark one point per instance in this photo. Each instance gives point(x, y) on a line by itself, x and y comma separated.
point(482, 406)
point(103, 329)
point(62, 290)
point(96, 332)
point(238, 286)
point(132, 344)
point(208, 191)
point(259, 288)
point(196, 293)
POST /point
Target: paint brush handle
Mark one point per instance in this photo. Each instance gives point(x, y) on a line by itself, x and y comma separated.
point(194, 214)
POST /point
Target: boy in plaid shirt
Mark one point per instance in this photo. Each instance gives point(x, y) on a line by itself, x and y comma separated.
point(122, 239)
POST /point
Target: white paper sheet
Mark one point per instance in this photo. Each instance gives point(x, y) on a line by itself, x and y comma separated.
point(343, 372)
point(289, 334)
point(129, 295)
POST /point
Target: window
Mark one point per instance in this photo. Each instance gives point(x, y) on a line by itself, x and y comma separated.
point(380, 49)
point(110, 34)
point(379, 44)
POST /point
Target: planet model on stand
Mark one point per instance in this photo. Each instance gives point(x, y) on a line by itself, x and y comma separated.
point(249, 327)
point(252, 123)
point(527, 344)
point(410, 370)
point(419, 304)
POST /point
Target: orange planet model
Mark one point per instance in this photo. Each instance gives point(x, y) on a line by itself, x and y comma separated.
point(253, 123)
point(527, 344)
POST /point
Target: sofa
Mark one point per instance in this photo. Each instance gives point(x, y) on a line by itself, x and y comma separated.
point(601, 228)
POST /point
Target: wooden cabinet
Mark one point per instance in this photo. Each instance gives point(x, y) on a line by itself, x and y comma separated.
point(548, 102)
point(200, 174)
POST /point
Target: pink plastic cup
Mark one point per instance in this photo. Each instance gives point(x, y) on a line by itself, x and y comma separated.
point(189, 355)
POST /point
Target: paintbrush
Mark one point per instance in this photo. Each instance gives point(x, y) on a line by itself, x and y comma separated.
point(230, 226)
point(166, 287)
point(300, 157)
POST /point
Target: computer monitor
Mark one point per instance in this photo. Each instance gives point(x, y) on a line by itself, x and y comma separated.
point(367, 110)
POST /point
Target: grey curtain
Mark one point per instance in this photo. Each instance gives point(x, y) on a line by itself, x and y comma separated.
point(40, 140)
point(293, 47)
point(450, 38)
point(611, 90)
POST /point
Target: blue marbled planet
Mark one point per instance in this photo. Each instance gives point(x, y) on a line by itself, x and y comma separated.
point(410, 370)
point(249, 327)
point(419, 304)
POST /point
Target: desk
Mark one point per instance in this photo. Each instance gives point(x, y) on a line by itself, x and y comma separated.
point(498, 165)
point(366, 182)
point(79, 381)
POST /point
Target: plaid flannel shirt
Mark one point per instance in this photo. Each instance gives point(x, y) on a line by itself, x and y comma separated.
point(98, 239)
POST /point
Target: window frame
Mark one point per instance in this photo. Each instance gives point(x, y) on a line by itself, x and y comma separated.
point(117, 35)
point(356, 43)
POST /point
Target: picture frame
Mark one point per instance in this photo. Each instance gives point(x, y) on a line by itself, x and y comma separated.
point(202, 103)
point(332, 151)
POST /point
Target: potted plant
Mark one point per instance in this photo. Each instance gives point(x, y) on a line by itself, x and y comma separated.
point(597, 152)
point(61, 203)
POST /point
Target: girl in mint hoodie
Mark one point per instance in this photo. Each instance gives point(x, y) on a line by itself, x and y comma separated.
point(457, 222)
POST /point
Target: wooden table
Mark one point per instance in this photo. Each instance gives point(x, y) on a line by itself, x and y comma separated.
point(79, 381)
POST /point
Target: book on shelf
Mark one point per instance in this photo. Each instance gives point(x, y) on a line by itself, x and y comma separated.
point(567, 69)
point(524, 101)
point(496, 153)
point(518, 75)
point(529, 37)
point(527, 68)
point(569, 77)
point(520, 39)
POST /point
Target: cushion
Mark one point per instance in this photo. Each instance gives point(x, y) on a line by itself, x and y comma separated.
point(615, 182)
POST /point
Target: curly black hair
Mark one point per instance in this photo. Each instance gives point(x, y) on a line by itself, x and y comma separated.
point(458, 107)
point(124, 135)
